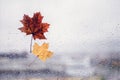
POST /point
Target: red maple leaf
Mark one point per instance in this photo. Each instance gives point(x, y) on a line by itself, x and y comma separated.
point(34, 26)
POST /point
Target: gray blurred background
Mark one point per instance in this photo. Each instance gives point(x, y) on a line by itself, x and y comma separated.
point(84, 36)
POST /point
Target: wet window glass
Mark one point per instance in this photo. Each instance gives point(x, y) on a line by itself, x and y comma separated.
point(71, 39)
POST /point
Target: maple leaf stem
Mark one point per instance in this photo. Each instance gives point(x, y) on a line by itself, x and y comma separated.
point(31, 44)
point(32, 61)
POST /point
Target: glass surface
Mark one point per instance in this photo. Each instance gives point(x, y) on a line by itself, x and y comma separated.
point(84, 36)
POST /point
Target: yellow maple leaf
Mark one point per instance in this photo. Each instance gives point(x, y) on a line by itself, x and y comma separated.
point(42, 51)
